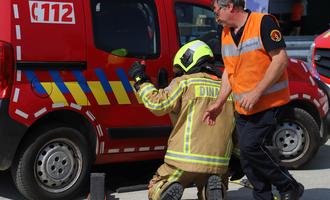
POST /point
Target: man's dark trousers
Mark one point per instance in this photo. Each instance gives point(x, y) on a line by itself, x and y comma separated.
point(260, 166)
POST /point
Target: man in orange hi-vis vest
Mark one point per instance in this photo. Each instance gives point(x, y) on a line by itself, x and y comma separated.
point(253, 51)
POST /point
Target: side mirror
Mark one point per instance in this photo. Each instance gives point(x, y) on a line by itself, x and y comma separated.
point(162, 78)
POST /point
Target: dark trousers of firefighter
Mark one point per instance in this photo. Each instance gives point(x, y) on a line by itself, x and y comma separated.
point(260, 166)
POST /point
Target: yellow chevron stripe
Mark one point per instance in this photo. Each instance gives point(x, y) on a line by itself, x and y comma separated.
point(98, 92)
point(54, 93)
point(77, 93)
point(136, 94)
point(120, 92)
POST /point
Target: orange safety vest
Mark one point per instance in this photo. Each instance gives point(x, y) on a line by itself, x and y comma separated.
point(246, 65)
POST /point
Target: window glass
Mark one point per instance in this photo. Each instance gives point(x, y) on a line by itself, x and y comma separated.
point(130, 25)
point(195, 22)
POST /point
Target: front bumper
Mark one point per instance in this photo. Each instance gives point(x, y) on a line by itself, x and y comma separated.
point(11, 133)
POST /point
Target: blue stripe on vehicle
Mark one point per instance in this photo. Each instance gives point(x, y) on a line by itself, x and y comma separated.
point(104, 81)
point(81, 81)
point(31, 76)
point(123, 78)
point(59, 81)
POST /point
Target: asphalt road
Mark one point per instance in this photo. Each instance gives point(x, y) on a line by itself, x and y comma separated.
point(128, 181)
point(315, 176)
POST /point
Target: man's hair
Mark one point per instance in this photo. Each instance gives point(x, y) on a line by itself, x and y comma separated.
point(237, 3)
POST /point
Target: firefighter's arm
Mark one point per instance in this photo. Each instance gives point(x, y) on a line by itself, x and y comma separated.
point(215, 109)
point(159, 102)
point(162, 101)
point(275, 70)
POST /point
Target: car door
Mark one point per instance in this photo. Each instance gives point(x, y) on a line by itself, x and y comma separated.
point(120, 33)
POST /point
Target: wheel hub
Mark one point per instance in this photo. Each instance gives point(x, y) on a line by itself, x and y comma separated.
point(289, 138)
point(58, 165)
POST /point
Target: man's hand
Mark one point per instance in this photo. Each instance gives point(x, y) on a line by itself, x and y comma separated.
point(137, 71)
point(249, 99)
point(212, 113)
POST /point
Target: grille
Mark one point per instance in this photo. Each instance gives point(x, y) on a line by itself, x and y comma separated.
point(322, 62)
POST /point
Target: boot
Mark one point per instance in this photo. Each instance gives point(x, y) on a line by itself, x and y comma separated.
point(293, 194)
point(214, 189)
point(173, 192)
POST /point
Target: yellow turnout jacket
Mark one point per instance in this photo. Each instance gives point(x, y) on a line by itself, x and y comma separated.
point(193, 146)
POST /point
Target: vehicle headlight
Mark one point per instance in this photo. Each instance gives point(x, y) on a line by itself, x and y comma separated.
point(312, 70)
point(310, 54)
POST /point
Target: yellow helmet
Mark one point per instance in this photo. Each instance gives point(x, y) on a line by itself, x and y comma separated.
point(192, 54)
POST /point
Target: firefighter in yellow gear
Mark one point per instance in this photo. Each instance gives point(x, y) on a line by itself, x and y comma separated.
point(197, 153)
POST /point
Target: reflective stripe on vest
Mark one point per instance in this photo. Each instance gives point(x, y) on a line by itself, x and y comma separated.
point(229, 148)
point(175, 176)
point(189, 124)
point(195, 158)
point(247, 46)
point(275, 88)
point(149, 88)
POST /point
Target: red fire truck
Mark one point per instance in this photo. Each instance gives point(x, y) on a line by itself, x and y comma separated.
point(66, 101)
point(320, 56)
point(319, 59)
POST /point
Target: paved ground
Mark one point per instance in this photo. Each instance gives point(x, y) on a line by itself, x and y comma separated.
point(315, 176)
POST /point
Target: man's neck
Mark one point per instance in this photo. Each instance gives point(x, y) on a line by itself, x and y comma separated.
point(241, 18)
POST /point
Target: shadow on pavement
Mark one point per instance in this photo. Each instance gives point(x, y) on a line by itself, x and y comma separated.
point(8, 189)
point(126, 177)
point(309, 194)
point(130, 175)
point(323, 156)
point(316, 194)
point(240, 194)
point(111, 197)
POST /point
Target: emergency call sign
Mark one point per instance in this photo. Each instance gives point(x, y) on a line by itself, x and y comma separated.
point(52, 12)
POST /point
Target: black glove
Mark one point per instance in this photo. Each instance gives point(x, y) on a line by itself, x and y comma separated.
point(137, 72)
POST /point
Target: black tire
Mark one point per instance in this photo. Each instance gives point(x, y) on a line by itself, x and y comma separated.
point(52, 164)
point(325, 137)
point(297, 137)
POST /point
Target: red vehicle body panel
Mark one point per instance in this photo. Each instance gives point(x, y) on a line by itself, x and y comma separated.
point(5, 23)
point(322, 42)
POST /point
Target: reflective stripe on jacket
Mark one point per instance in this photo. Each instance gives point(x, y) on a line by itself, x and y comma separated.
point(246, 65)
point(193, 146)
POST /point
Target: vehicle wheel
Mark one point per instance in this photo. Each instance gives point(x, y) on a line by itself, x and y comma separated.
point(297, 137)
point(54, 164)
